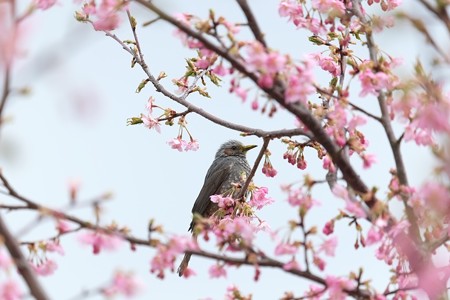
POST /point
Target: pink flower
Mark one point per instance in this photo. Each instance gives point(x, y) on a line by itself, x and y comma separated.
point(268, 169)
point(217, 271)
point(373, 83)
point(45, 4)
point(352, 206)
point(150, 123)
point(166, 254)
point(291, 265)
point(300, 84)
point(45, 268)
point(62, 226)
point(328, 228)
point(259, 198)
point(374, 235)
point(203, 63)
point(329, 64)
point(106, 14)
point(177, 143)
point(193, 145)
point(107, 22)
point(10, 290)
point(222, 202)
point(291, 9)
point(336, 287)
point(220, 70)
point(325, 6)
point(328, 164)
point(230, 227)
point(52, 246)
point(368, 160)
point(285, 249)
point(255, 104)
point(296, 197)
point(126, 284)
point(100, 241)
point(329, 246)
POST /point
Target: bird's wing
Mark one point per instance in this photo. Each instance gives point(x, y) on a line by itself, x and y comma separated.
point(214, 179)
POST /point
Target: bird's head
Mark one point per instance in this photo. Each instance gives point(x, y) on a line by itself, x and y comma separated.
point(233, 148)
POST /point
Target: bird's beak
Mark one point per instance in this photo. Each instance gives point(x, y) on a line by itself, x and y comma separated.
point(248, 147)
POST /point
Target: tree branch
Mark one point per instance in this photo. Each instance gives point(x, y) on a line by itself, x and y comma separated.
point(251, 20)
point(277, 93)
point(386, 122)
point(21, 263)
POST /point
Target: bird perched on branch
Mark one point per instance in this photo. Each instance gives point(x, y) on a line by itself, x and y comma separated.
point(230, 167)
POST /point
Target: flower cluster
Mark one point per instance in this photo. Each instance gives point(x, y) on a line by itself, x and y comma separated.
point(123, 283)
point(100, 241)
point(39, 261)
point(166, 254)
point(104, 14)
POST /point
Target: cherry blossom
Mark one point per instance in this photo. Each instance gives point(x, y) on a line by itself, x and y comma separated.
point(44, 267)
point(259, 198)
point(99, 241)
point(45, 4)
point(126, 284)
point(217, 271)
point(10, 290)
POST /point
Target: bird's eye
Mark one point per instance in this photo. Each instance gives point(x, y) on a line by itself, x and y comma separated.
point(234, 148)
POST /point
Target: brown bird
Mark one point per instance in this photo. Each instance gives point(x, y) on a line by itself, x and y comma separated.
point(230, 166)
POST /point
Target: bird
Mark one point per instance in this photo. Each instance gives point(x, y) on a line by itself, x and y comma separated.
point(230, 167)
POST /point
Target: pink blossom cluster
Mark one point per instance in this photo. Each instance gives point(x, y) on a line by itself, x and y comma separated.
point(297, 197)
point(423, 115)
point(259, 198)
point(233, 232)
point(217, 270)
point(123, 283)
point(336, 287)
point(295, 156)
point(166, 254)
point(374, 82)
point(431, 203)
point(104, 14)
point(45, 4)
point(267, 63)
point(100, 241)
point(10, 290)
point(40, 262)
point(352, 205)
point(294, 11)
point(386, 4)
point(300, 82)
point(149, 121)
point(9, 287)
point(224, 202)
point(182, 145)
point(328, 63)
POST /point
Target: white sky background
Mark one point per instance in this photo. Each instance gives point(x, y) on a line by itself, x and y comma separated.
point(74, 126)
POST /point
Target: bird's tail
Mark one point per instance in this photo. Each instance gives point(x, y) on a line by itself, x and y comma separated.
point(184, 264)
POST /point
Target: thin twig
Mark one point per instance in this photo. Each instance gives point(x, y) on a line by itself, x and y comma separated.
point(191, 107)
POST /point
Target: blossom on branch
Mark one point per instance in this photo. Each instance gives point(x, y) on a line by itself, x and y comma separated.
point(100, 241)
